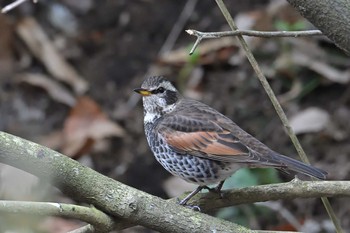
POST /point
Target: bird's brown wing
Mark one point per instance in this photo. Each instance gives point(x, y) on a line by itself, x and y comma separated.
point(202, 131)
point(205, 138)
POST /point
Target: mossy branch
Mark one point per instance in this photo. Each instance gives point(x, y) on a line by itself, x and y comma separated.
point(129, 206)
point(100, 221)
point(290, 190)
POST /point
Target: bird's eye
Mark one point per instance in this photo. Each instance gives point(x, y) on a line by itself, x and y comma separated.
point(158, 90)
point(161, 90)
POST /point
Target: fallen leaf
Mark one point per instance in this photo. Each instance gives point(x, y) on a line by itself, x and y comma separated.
point(56, 91)
point(7, 60)
point(310, 120)
point(40, 45)
point(294, 92)
point(86, 124)
point(321, 68)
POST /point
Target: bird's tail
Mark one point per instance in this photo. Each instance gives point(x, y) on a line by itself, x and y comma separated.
point(300, 167)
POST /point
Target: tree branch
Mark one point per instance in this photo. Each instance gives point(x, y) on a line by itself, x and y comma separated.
point(100, 221)
point(290, 190)
point(266, 34)
point(119, 200)
point(133, 207)
point(331, 17)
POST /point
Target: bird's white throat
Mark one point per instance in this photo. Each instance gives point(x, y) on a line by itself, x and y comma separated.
point(151, 116)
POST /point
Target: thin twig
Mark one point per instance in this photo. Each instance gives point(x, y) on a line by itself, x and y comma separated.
point(100, 221)
point(14, 5)
point(276, 104)
point(265, 34)
point(178, 26)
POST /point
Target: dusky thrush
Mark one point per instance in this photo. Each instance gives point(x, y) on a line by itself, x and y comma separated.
point(197, 143)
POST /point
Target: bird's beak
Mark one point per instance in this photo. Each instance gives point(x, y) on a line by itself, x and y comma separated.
point(142, 91)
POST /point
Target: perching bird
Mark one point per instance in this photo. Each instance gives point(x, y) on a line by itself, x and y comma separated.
point(197, 143)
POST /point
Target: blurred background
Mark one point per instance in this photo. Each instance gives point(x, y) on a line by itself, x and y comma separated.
point(68, 68)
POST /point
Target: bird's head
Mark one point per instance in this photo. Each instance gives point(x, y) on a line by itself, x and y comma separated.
point(159, 96)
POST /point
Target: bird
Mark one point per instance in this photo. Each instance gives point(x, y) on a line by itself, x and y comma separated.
point(195, 142)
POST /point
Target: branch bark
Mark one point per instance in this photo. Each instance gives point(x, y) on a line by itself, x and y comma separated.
point(291, 190)
point(133, 207)
point(106, 194)
point(332, 17)
point(100, 221)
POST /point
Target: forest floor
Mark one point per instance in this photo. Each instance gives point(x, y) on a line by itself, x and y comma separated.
point(68, 70)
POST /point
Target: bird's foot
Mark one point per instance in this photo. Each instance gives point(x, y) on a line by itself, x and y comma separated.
point(194, 207)
point(184, 203)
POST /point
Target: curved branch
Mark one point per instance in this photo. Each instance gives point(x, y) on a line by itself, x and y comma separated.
point(290, 190)
point(136, 207)
point(119, 200)
point(100, 221)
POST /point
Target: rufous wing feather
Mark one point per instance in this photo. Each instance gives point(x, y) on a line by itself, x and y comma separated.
point(210, 143)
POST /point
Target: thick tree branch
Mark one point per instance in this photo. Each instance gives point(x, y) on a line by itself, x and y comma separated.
point(135, 207)
point(332, 17)
point(100, 221)
point(104, 193)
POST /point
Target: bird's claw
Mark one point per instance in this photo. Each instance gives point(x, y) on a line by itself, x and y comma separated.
point(184, 203)
point(194, 207)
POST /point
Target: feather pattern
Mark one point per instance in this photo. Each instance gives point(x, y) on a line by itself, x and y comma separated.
point(199, 144)
point(206, 133)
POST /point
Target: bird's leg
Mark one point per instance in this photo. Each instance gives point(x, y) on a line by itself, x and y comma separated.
point(219, 186)
point(217, 189)
point(189, 196)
